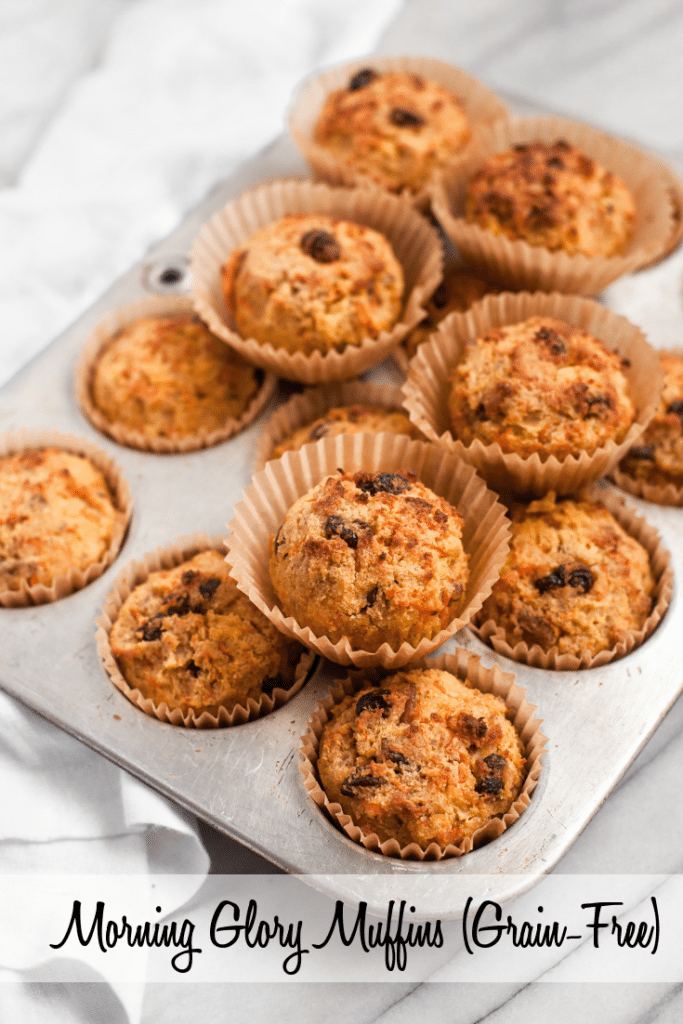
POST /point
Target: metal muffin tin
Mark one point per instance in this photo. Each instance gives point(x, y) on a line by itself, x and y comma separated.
point(245, 780)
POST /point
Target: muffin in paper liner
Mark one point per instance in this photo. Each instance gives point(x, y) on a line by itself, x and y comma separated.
point(516, 263)
point(482, 107)
point(137, 572)
point(275, 489)
point(63, 584)
point(96, 344)
point(426, 390)
point(414, 242)
point(660, 563)
point(468, 668)
point(659, 494)
point(315, 402)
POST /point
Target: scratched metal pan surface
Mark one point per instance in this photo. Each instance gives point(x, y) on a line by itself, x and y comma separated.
point(245, 781)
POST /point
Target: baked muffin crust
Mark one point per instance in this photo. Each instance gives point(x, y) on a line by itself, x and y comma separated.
point(169, 376)
point(313, 283)
point(543, 386)
point(187, 637)
point(56, 513)
point(348, 419)
point(658, 457)
point(375, 557)
point(552, 195)
point(573, 579)
point(421, 758)
point(396, 128)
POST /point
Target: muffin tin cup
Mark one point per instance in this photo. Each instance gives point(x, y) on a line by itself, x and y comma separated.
point(95, 346)
point(415, 244)
point(135, 573)
point(467, 667)
point(516, 263)
point(660, 563)
point(483, 109)
point(275, 489)
point(315, 402)
point(75, 579)
point(427, 389)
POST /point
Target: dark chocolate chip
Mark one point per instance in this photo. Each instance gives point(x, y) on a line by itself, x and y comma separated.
point(179, 605)
point(581, 578)
point(319, 431)
point(361, 79)
point(374, 701)
point(207, 588)
point(405, 118)
point(371, 597)
point(336, 527)
point(320, 246)
point(389, 483)
point(392, 755)
point(493, 782)
point(189, 577)
point(151, 630)
point(356, 781)
point(555, 578)
point(555, 343)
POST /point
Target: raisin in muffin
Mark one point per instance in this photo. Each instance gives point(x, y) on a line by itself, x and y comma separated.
point(457, 292)
point(543, 386)
point(552, 195)
point(658, 457)
point(573, 579)
point(313, 283)
point(188, 638)
point(57, 513)
point(348, 419)
point(374, 557)
point(396, 128)
point(421, 758)
point(169, 376)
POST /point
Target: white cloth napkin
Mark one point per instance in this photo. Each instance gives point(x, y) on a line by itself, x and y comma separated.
point(129, 112)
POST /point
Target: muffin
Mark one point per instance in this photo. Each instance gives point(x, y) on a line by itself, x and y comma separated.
point(186, 637)
point(397, 128)
point(349, 419)
point(57, 514)
point(554, 196)
point(457, 292)
point(574, 579)
point(540, 386)
point(422, 758)
point(168, 376)
point(313, 283)
point(373, 557)
point(657, 459)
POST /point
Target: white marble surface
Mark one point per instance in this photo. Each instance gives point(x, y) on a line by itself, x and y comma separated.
point(115, 123)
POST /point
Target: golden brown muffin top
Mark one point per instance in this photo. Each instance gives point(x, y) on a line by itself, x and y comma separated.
point(554, 196)
point(658, 456)
point(543, 386)
point(311, 282)
point(348, 419)
point(397, 128)
point(187, 637)
point(169, 376)
point(375, 557)
point(57, 513)
point(421, 758)
point(573, 578)
point(457, 292)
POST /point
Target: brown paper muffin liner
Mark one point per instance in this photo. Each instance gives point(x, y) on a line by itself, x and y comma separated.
point(660, 563)
point(674, 187)
point(96, 344)
point(464, 666)
point(315, 402)
point(275, 489)
point(75, 579)
point(427, 389)
point(135, 573)
point(520, 265)
point(415, 244)
point(483, 109)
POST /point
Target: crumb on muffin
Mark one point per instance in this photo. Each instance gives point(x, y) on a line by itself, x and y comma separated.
point(540, 386)
point(348, 419)
point(312, 283)
point(374, 557)
point(657, 459)
point(396, 128)
point(188, 638)
point(552, 195)
point(421, 757)
point(573, 579)
point(57, 513)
